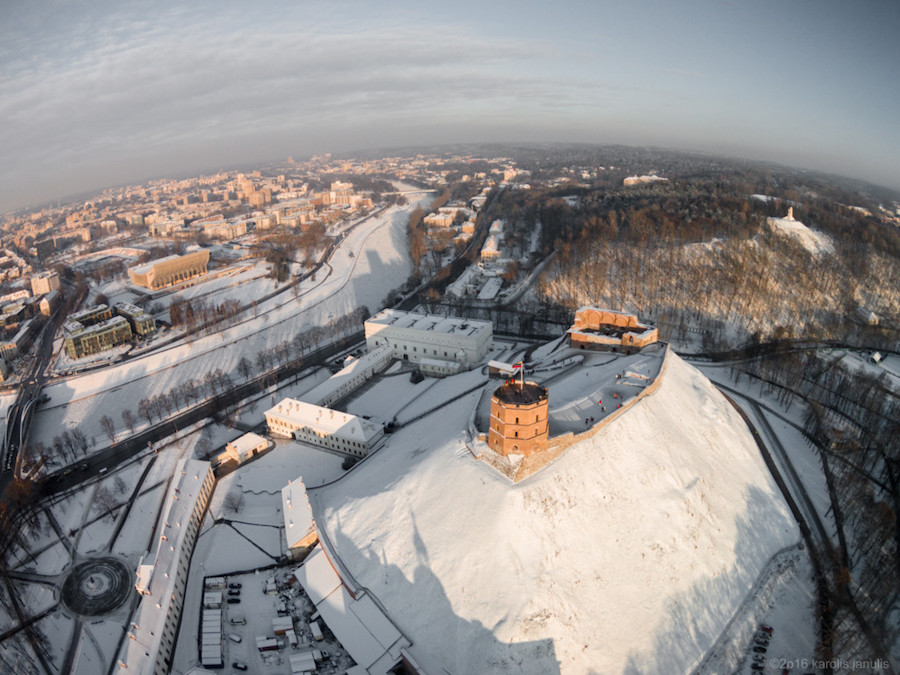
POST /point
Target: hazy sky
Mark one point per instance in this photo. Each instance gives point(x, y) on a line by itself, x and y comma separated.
point(103, 92)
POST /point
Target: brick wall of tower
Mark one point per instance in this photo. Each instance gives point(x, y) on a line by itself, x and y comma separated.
point(518, 428)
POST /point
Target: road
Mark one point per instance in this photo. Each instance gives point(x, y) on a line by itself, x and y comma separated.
point(18, 417)
point(113, 455)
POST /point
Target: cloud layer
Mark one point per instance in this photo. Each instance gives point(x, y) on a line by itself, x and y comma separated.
point(98, 94)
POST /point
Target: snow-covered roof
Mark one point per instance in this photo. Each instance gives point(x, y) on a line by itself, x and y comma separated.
point(298, 518)
point(370, 637)
point(642, 536)
point(156, 582)
point(429, 322)
point(245, 444)
point(491, 288)
point(147, 266)
point(325, 420)
point(372, 359)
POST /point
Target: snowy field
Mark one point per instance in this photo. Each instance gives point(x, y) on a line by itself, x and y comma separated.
point(629, 553)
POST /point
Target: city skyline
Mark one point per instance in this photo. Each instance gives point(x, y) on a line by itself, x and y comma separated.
point(106, 94)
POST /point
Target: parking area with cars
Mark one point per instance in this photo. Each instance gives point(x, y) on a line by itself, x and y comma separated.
point(263, 622)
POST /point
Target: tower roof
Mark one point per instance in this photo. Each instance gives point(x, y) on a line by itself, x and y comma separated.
point(517, 393)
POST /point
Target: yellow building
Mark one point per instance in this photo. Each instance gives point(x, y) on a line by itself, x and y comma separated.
point(170, 270)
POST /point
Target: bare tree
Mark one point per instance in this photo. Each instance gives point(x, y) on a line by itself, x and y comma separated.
point(128, 419)
point(109, 427)
point(234, 500)
point(106, 499)
point(79, 440)
point(244, 367)
point(204, 446)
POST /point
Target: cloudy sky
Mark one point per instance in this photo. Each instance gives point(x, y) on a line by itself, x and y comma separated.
point(101, 92)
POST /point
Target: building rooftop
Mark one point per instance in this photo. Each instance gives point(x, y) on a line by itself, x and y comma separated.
point(298, 518)
point(147, 266)
point(326, 420)
point(323, 391)
point(246, 443)
point(156, 580)
point(368, 635)
point(518, 394)
point(450, 325)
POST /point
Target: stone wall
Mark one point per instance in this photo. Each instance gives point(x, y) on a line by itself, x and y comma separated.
point(556, 446)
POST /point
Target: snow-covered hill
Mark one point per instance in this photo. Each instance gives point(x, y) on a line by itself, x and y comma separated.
point(817, 243)
point(628, 554)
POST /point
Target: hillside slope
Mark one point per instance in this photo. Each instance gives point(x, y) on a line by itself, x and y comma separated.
point(628, 554)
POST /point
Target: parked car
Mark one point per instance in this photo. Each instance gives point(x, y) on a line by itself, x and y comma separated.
point(234, 584)
point(233, 591)
point(234, 637)
point(237, 665)
point(766, 627)
point(757, 666)
point(757, 649)
point(238, 621)
point(234, 601)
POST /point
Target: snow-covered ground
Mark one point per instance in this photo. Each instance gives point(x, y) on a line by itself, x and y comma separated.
point(813, 241)
point(785, 423)
point(630, 552)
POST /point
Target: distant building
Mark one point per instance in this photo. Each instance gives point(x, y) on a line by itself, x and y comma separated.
point(605, 329)
point(324, 427)
point(5, 368)
point(49, 302)
point(219, 228)
point(141, 323)
point(643, 180)
point(170, 270)
point(22, 294)
point(44, 248)
point(414, 337)
point(101, 327)
point(490, 250)
point(439, 219)
point(44, 283)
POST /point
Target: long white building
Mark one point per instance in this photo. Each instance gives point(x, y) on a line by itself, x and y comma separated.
point(162, 573)
point(324, 427)
point(414, 337)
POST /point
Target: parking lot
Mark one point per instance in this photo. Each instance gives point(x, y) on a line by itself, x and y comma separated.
point(269, 609)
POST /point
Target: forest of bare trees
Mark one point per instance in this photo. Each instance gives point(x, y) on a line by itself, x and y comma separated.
point(853, 419)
